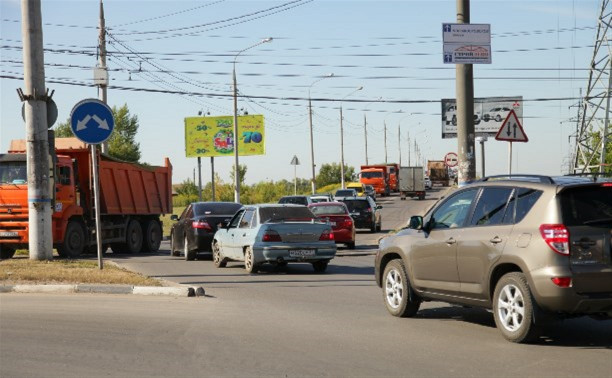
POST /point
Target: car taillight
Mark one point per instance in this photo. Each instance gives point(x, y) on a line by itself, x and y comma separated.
point(348, 222)
point(201, 224)
point(557, 237)
point(271, 236)
point(327, 235)
point(562, 281)
point(607, 184)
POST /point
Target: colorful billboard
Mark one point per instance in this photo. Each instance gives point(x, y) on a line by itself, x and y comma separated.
point(214, 136)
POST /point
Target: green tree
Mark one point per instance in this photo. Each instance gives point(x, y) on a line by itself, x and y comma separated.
point(242, 169)
point(331, 174)
point(122, 143)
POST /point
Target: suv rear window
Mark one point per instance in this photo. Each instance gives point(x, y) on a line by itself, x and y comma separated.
point(587, 206)
point(356, 205)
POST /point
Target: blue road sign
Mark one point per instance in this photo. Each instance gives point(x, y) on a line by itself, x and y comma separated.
point(92, 121)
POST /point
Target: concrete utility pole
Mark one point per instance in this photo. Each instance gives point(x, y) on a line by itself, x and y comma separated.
point(37, 148)
point(212, 177)
point(199, 179)
point(313, 182)
point(102, 87)
point(385, 123)
point(465, 108)
point(365, 133)
point(341, 151)
point(399, 144)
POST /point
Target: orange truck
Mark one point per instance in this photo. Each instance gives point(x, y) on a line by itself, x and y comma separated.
point(132, 198)
point(377, 176)
point(394, 176)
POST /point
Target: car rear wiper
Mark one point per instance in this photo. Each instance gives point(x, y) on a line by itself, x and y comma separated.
point(600, 220)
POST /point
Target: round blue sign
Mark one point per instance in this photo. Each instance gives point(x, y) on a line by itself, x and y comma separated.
point(92, 121)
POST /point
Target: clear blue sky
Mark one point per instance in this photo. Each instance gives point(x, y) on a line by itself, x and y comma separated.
point(541, 49)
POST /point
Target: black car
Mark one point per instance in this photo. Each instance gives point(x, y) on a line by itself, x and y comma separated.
point(194, 230)
point(365, 212)
point(297, 200)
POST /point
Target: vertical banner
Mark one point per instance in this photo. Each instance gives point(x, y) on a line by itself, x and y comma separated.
point(214, 136)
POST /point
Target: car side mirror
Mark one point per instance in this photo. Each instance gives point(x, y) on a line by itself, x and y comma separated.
point(416, 222)
point(379, 207)
point(174, 217)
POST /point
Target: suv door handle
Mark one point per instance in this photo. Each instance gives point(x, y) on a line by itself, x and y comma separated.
point(451, 241)
point(496, 240)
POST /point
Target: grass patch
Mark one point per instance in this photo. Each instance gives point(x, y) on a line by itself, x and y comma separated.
point(167, 223)
point(23, 270)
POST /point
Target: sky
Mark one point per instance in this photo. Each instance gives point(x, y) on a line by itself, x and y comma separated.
point(393, 49)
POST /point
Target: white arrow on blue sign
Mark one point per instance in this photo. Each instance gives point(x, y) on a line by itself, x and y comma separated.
point(92, 121)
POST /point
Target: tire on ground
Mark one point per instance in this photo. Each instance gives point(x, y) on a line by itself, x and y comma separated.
point(514, 309)
point(74, 241)
point(320, 266)
point(189, 254)
point(249, 261)
point(220, 262)
point(6, 252)
point(133, 236)
point(399, 298)
point(151, 238)
point(173, 250)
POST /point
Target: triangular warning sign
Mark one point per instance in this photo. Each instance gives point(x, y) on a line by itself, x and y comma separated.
point(511, 130)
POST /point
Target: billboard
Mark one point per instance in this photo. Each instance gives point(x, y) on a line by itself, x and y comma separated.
point(214, 136)
point(489, 114)
point(466, 43)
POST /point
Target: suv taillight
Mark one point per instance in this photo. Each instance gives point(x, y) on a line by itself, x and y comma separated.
point(327, 235)
point(271, 236)
point(557, 237)
point(201, 224)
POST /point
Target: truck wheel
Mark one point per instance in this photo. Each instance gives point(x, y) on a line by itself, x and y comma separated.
point(134, 236)
point(6, 252)
point(118, 248)
point(152, 236)
point(74, 241)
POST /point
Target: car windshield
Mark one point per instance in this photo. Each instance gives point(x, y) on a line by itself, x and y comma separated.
point(328, 210)
point(345, 193)
point(285, 213)
point(296, 200)
point(369, 175)
point(356, 205)
point(230, 208)
point(587, 206)
point(13, 172)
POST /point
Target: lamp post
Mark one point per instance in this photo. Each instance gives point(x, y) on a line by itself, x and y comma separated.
point(236, 166)
point(342, 139)
point(313, 182)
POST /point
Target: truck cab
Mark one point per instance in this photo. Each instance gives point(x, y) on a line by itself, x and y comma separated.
point(376, 178)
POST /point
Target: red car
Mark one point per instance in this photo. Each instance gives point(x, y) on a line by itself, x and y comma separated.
point(337, 214)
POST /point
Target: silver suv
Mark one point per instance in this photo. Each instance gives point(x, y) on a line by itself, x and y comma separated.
point(529, 248)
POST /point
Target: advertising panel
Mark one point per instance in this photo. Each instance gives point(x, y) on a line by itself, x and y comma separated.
point(489, 114)
point(214, 136)
point(466, 43)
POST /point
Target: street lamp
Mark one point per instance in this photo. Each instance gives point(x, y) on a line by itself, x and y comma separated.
point(365, 128)
point(236, 166)
point(313, 182)
point(342, 139)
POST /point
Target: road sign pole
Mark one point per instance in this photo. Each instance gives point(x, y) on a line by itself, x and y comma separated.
point(96, 182)
point(510, 158)
point(482, 153)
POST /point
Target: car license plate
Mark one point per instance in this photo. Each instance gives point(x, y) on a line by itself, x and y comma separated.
point(301, 252)
point(8, 234)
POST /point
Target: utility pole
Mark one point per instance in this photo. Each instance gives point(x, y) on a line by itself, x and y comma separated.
point(199, 179)
point(385, 123)
point(37, 148)
point(212, 177)
point(465, 108)
point(409, 150)
point(313, 183)
point(365, 133)
point(341, 150)
point(399, 144)
point(102, 87)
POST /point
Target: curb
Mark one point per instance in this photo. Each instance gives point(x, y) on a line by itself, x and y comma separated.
point(356, 254)
point(182, 291)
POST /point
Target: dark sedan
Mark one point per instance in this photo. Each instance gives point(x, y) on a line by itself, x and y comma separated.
point(194, 230)
point(364, 212)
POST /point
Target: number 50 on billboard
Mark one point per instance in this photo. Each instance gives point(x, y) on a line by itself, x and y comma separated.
point(214, 136)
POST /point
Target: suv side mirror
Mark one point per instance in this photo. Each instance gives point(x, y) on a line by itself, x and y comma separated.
point(416, 222)
point(174, 217)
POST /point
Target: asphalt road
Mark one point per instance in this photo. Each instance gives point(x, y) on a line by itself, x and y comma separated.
point(279, 323)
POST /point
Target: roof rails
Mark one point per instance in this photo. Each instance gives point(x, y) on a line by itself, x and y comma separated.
point(521, 177)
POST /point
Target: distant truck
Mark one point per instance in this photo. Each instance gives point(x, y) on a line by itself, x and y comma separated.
point(377, 176)
point(132, 198)
point(438, 173)
point(393, 177)
point(411, 182)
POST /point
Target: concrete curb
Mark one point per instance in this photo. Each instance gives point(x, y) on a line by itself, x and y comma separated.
point(354, 254)
point(182, 291)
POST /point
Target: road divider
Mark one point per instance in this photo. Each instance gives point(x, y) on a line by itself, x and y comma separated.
point(175, 291)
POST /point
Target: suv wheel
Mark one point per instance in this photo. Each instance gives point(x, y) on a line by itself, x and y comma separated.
point(513, 308)
point(396, 291)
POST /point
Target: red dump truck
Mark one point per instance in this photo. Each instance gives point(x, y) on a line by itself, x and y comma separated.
point(394, 176)
point(132, 198)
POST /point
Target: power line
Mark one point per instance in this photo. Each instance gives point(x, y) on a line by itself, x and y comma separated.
point(170, 14)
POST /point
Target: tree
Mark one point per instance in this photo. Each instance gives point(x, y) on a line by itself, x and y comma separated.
point(242, 169)
point(331, 174)
point(122, 143)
